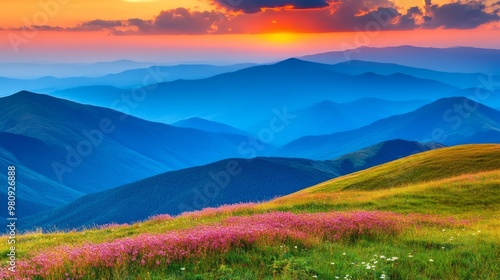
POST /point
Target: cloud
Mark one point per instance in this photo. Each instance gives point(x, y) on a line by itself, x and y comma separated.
point(178, 21)
point(266, 16)
point(102, 23)
point(254, 6)
point(459, 15)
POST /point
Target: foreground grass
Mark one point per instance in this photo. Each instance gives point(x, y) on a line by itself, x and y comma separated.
point(460, 182)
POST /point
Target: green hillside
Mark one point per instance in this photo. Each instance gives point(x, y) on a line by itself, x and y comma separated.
point(433, 215)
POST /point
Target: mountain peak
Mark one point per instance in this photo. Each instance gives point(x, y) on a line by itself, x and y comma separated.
point(294, 62)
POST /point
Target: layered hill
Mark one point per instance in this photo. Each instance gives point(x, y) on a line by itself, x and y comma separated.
point(126, 79)
point(328, 117)
point(450, 121)
point(434, 214)
point(262, 90)
point(203, 124)
point(90, 149)
point(225, 182)
point(460, 180)
point(457, 59)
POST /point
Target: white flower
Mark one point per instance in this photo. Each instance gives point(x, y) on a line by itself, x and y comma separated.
point(382, 257)
point(332, 263)
point(431, 260)
point(343, 254)
point(315, 276)
point(382, 276)
point(183, 268)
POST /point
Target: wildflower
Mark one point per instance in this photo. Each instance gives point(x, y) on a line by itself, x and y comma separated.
point(183, 268)
point(382, 257)
point(315, 276)
point(332, 263)
point(431, 260)
point(343, 254)
point(382, 276)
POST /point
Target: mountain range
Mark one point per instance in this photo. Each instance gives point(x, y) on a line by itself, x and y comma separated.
point(224, 182)
point(456, 59)
point(126, 79)
point(273, 128)
point(329, 117)
point(450, 121)
point(89, 148)
point(260, 91)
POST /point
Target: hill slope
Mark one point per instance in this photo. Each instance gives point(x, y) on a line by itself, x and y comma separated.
point(211, 126)
point(35, 193)
point(457, 186)
point(90, 149)
point(212, 185)
point(450, 121)
point(457, 180)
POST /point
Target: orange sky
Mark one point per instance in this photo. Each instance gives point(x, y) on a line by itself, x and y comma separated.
point(267, 35)
point(72, 12)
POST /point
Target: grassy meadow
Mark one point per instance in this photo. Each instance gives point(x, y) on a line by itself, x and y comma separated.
point(434, 215)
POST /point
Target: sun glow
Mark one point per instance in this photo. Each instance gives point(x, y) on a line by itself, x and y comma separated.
point(280, 38)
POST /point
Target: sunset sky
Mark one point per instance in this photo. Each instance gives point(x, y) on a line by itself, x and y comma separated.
point(228, 31)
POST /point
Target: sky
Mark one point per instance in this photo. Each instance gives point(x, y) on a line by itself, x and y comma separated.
point(230, 31)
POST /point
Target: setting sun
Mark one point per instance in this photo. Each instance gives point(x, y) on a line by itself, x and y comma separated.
point(281, 38)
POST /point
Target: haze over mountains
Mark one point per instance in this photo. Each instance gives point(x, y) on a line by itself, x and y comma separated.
point(450, 121)
point(458, 59)
point(260, 90)
point(70, 141)
point(126, 79)
point(281, 127)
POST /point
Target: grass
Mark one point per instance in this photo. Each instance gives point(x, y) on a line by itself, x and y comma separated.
point(455, 190)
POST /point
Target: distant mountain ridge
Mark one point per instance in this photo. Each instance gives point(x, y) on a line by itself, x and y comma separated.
point(461, 80)
point(457, 59)
point(92, 148)
point(211, 126)
point(450, 121)
point(126, 79)
point(329, 117)
point(261, 90)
